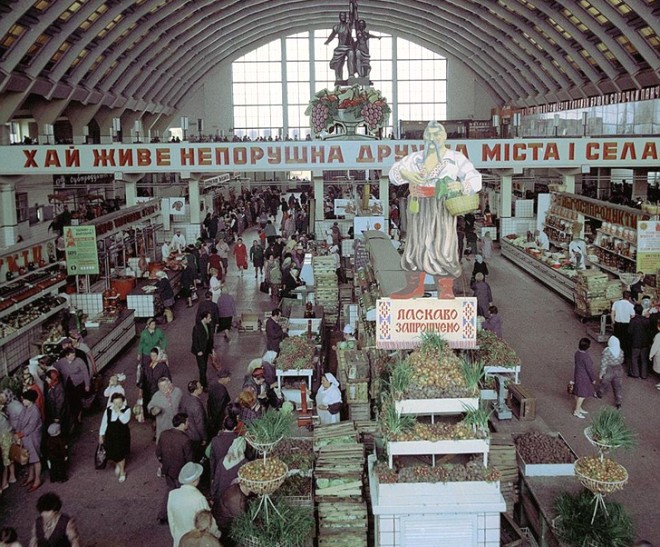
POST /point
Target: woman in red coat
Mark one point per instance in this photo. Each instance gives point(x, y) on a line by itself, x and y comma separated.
point(240, 251)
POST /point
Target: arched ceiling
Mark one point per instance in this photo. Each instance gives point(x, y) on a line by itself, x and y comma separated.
point(148, 55)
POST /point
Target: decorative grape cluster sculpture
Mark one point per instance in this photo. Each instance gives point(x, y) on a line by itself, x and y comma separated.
point(320, 115)
point(372, 114)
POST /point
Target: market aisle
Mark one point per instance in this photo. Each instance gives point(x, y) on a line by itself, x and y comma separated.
point(541, 326)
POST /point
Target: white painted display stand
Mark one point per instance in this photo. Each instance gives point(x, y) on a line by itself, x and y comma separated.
point(459, 446)
point(455, 514)
point(497, 369)
point(302, 373)
point(430, 407)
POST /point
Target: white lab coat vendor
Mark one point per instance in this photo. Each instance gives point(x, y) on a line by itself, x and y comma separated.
point(327, 395)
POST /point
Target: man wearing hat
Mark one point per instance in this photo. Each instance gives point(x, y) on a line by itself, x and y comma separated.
point(56, 452)
point(184, 503)
point(178, 242)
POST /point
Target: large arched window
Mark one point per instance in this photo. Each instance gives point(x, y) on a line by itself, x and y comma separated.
point(272, 84)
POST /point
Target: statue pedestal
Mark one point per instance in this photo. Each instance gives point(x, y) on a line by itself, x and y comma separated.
point(349, 122)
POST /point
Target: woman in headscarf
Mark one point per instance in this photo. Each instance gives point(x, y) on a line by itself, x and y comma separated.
point(611, 371)
point(483, 294)
point(479, 266)
point(328, 399)
point(28, 433)
point(154, 371)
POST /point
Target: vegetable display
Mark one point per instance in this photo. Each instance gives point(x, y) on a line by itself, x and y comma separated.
point(608, 430)
point(264, 432)
point(295, 453)
point(471, 471)
point(535, 448)
point(437, 432)
point(263, 476)
point(495, 351)
point(296, 353)
point(293, 529)
point(296, 486)
point(601, 469)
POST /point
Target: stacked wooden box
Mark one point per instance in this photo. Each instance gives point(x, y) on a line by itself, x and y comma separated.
point(327, 288)
point(339, 496)
point(502, 456)
point(591, 293)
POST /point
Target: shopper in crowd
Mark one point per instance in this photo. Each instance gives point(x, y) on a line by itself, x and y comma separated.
point(115, 433)
point(275, 333)
point(57, 453)
point(28, 433)
point(53, 527)
point(637, 288)
point(494, 322)
point(203, 260)
point(226, 456)
point(328, 400)
point(241, 254)
point(233, 504)
point(149, 375)
point(542, 240)
point(201, 535)
point(78, 383)
point(250, 409)
point(164, 405)
point(6, 436)
point(291, 282)
point(193, 407)
point(202, 345)
point(215, 285)
point(184, 503)
point(482, 292)
point(9, 537)
point(205, 306)
point(480, 266)
point(487, 246)
point(623, 311)
point(654, 353)
point(152, 336)
point(270, 231)
point(114, 386)
point(640, 344)
point(188, 277)
point(174, 449)
point(166, 293)
point(70, 342)
point(611, 371)
point(57, 407)
point(223, 253)
point(30, 384)
point(583, 377)
point(268, 366)
point(226, 313)
point(275, 279)
point(13, 410)
point(218, 400)
point(257, 258)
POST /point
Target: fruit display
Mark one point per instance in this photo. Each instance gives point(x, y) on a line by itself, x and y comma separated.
point(263, 476)
point(296, 353)
point(296, 486)
point(495, 351)
point(601, 475)
point(534, 448)
point(471, 471)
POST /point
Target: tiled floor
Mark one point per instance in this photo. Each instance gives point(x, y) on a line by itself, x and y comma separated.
point(541, 326)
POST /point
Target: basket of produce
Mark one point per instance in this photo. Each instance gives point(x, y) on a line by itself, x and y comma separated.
point(264, 433)
point(608, 431)
point(263, 476)
point(601, 475)
point(462, 204)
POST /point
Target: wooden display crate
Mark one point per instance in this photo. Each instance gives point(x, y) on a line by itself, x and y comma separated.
point(359, 412)
point(357, 392)
point(521, 402)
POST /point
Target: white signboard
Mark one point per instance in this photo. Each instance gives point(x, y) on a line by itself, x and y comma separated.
point(648, 246)
point(400, 323)
point(348, 208)
point(363, 224)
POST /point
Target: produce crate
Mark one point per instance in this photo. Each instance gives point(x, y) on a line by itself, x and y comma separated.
point(342, 524)
point(359, 412)
point(548, 469)
point(357, 366)
point(510, 534)
point(357, 392)
point(300, 501)
point(521, 402)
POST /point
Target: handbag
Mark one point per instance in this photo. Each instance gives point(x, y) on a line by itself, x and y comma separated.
point(263, 287)
point(18, 454)
point(334, 408)
point(570, 387)
point(100, 457)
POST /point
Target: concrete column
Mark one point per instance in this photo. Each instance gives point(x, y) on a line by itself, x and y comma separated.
point(384, 192)
point(506, 193)
point(317, 179)
point(8, 219)
point(79, 116)
point(569, 180)
point(195, 203)
point(130, 190)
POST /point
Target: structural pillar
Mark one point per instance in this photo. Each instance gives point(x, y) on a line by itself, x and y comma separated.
point(569, 180)
point(384, 193)
point(506, 193)
point(317, 179)
point(8, 219)
point(195, 201)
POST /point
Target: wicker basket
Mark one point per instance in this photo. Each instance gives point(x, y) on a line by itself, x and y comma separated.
point(603, 447)
point(462, 204)
point(602, 487)
point(262, 448)
point(262, 487)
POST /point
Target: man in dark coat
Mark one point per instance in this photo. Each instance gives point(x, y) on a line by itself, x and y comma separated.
point(218, 400)
point(197, 422)
point(640, 342)
point(205, 306)
point(174, 450)
point(274, 331)
point(202, 345)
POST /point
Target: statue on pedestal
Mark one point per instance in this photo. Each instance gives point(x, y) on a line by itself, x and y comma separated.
point(344, 52)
